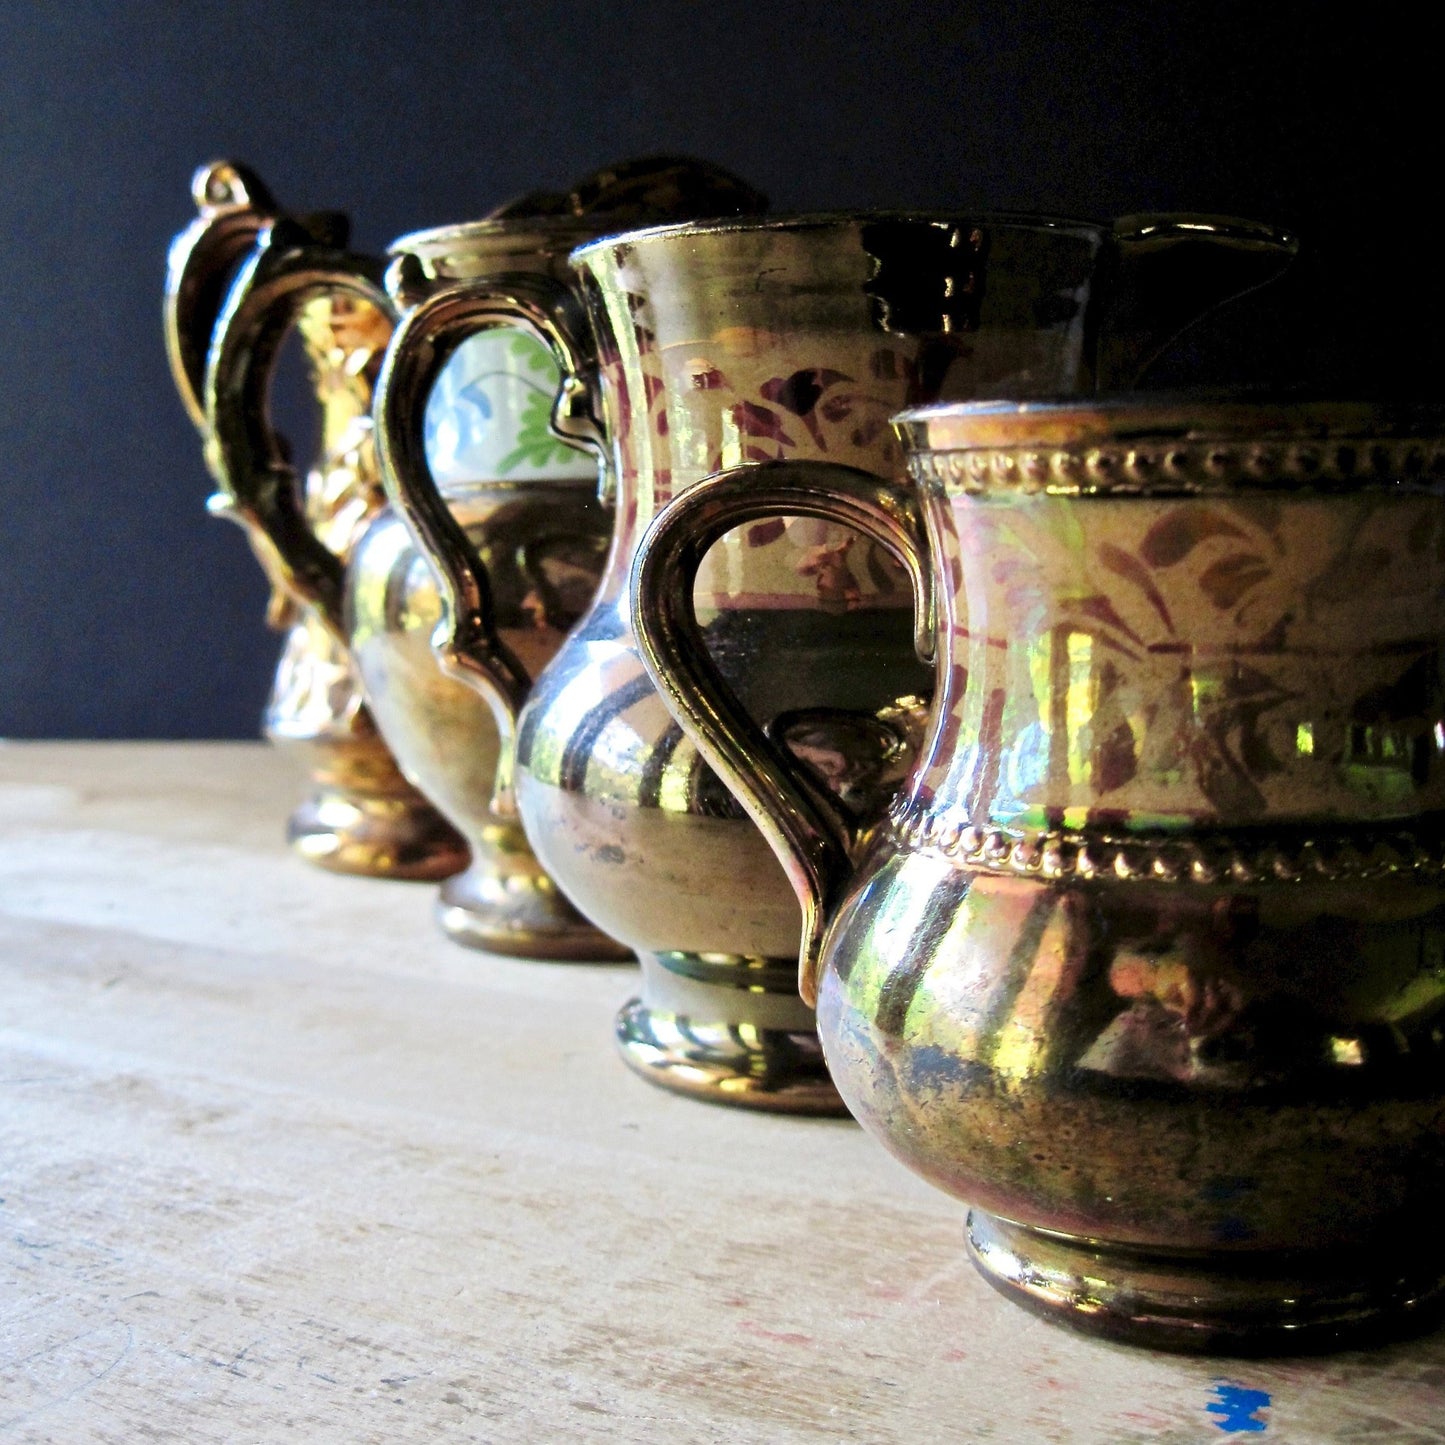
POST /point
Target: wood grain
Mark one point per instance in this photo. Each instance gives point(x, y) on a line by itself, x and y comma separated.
point(278, 1162)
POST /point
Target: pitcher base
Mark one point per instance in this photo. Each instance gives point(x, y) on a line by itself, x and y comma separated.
point(1197, 1302)
point(519, 914)
point(384, 836)
point(728, 1030)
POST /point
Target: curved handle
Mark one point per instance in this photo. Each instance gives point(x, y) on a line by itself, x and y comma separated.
point(250, 460)
point(1172, 270)
point(812, 837)
point(466, 639)
point(234, 207)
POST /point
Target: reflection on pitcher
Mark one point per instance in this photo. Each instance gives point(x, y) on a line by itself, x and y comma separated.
point(510, 489)
point(1146, 960)
point(761, 342)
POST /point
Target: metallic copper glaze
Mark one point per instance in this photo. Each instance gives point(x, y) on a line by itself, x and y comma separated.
point(362, 816)
point(792, 341)
point(527, 504)
point(1146, 960)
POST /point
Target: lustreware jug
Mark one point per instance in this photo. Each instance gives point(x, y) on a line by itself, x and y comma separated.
point(752, 342)
point(362, 816)
point(1146, 961)
point(527, 502)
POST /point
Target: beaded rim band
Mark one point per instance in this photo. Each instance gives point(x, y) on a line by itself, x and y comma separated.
point(1163, 466)
point(1359, 854)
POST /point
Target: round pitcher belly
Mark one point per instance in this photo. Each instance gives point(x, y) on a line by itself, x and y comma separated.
point(444, 736)
point(1197, 1117)
point(665, 881)
point(710, 914)
point(645, 840)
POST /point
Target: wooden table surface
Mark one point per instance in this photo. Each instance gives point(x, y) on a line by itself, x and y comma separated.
point(279, 1162)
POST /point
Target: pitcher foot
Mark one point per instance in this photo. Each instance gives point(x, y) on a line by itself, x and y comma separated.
point(377, 836)
point(1224, 1303)
point(520, 913)
point(728, 1030)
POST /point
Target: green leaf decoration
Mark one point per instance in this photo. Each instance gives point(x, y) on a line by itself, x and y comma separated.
point(525, 348)
point(536, 446)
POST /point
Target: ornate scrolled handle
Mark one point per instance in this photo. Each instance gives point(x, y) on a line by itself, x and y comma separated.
point(259, 487)
point(466, 639)
point(811, 835)
point(234, 206)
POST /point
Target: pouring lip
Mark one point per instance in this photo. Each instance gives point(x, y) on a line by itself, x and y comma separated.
point(1144, 227)
point(839, 221)
point(1154, 443)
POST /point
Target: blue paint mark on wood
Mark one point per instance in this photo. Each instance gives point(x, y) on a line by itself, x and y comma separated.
point(1236, 1408)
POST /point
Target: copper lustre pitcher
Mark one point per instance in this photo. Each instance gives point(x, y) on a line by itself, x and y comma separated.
point(525, 500)
point(1146, 960)
point(362, 816)
point(748, 343)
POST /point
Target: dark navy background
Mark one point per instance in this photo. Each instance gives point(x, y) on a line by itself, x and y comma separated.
point(125, 611)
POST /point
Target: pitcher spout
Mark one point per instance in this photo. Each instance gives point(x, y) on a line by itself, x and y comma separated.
point(1171, 271)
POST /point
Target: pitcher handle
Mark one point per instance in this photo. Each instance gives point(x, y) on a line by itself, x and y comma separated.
point(466, 639)
point(233, 206)
point(807, 830)
point(287, 269)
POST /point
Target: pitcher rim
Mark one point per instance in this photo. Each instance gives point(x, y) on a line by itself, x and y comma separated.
point(513, 230)
point(1138, 225)
point(1172, 443)
point(839, 221)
